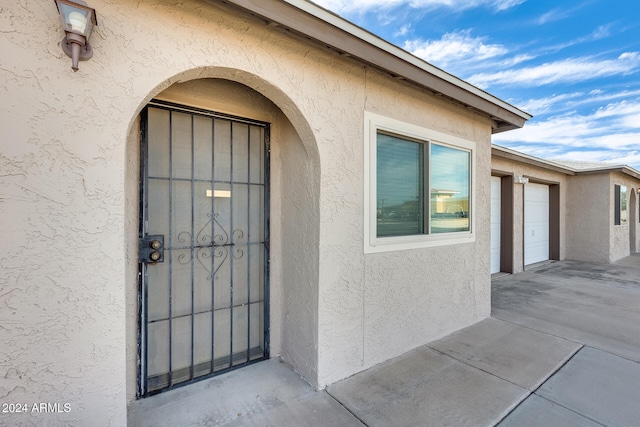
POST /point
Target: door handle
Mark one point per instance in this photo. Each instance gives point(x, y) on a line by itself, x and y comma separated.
point(152, 249)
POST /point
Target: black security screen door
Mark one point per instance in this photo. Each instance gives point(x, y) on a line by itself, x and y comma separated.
point(203, 245)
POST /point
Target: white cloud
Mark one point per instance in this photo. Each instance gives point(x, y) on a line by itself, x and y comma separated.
point(601, 32)
point(569, 101)
point(558, 14)
point(518, 59)
point(454, 48)
point(629, 56)
point(350, 6)
point(543, 105)
point(402, 31)
point(552, 15)
point(506, 4)
point(564, 71)
point(614, 129)
point(613, 156)
point(631, 158)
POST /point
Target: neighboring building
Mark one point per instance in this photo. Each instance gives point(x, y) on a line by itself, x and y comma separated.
point(554, 210)
point(602, 212)
point(314, 193)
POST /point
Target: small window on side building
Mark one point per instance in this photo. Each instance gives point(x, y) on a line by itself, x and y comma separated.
point(620, 213)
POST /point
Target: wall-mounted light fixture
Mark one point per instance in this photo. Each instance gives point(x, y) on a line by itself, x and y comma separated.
point(522, 180)
point(78, 20)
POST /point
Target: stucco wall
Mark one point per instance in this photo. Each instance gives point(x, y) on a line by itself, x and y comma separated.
point(593, 236)
point(366, 301)
point(622, 235)
point(68, 201)
point(536, 175)
point(589, 229)
point(634, 221)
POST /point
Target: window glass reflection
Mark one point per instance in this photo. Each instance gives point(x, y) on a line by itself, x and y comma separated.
point(400, 186)
point(449, 175)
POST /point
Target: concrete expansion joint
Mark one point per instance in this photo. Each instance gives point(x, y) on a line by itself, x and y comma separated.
point(568, 409)
point(476, 367)
point(544, 380)
point(346, 408)
point(620, 356)
point(540, 331)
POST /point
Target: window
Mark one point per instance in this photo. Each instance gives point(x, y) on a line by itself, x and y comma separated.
point(620, 205)
point(419, 185)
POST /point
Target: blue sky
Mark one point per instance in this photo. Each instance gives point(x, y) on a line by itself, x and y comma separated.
point(573, 65)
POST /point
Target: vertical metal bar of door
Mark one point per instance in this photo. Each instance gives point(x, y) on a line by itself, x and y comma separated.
point(142, 285)
point(213, 239)
point(193, 250)
point(249, 242)
point(266, 237)
point(232, 242)
point(170, 248)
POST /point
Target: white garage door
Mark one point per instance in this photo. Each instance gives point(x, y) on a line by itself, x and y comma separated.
point(495, 224)
point(536, 223)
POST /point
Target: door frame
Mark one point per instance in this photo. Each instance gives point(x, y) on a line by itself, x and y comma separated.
point(141, 389)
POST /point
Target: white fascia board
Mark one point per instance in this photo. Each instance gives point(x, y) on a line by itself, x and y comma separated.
point(517, 156)
point(627, 170)
point(510, 154)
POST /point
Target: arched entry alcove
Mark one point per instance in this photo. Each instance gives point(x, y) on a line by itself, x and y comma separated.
point(291, 210)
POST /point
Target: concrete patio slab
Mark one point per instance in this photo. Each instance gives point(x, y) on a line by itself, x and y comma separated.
point(539, 412)
point(309, 410)
point(265, 394)
point(632, 260)
point(593, 304)
point(598, 385)
point(427, 388)
point(480, 376)
point(514, 353)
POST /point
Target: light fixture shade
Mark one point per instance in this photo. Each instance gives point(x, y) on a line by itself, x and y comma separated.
point(77, 18)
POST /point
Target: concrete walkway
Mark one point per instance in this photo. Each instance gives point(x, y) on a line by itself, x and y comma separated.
point(562, 349)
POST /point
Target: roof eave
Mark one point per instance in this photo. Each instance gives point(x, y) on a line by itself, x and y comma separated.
point(320, 25)
point(627, 170)
point(517, 156)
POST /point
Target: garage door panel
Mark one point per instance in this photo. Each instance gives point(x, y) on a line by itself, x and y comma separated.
point(495, 224)
point(536, 223)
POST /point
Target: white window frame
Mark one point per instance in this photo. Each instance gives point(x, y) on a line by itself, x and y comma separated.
point(375, 123)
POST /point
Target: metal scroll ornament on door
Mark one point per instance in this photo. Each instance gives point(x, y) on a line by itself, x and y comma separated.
point(219, 246)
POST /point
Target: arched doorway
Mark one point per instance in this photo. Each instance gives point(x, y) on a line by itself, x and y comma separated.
point(292, 175)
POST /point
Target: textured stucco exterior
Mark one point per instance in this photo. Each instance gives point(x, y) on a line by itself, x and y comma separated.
point(584, 209)
point(587, 204)
point(594, 236)
point(69, 199)
point(622, 235)
point(534, 174)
